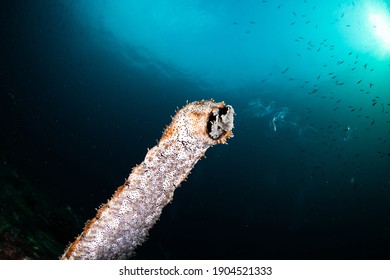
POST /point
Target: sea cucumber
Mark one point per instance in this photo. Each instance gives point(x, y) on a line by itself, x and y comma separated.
point(123, 223)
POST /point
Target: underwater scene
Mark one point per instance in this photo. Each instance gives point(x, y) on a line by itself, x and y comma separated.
point(88, 86)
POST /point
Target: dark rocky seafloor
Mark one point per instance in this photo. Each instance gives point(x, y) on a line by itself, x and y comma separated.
point(33, 224)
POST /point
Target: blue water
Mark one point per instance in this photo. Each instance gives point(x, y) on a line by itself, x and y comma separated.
point(87, 86)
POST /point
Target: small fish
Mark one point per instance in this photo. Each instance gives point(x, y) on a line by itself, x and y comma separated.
point(293, 23)
point(373, 104)
point(285, 70)
point(350, 53)
point(365, 66)
point(358, 82)
point(372, 122)
point(338, 101)
point(371, 85)
point(252, 22)
point(318, 76)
